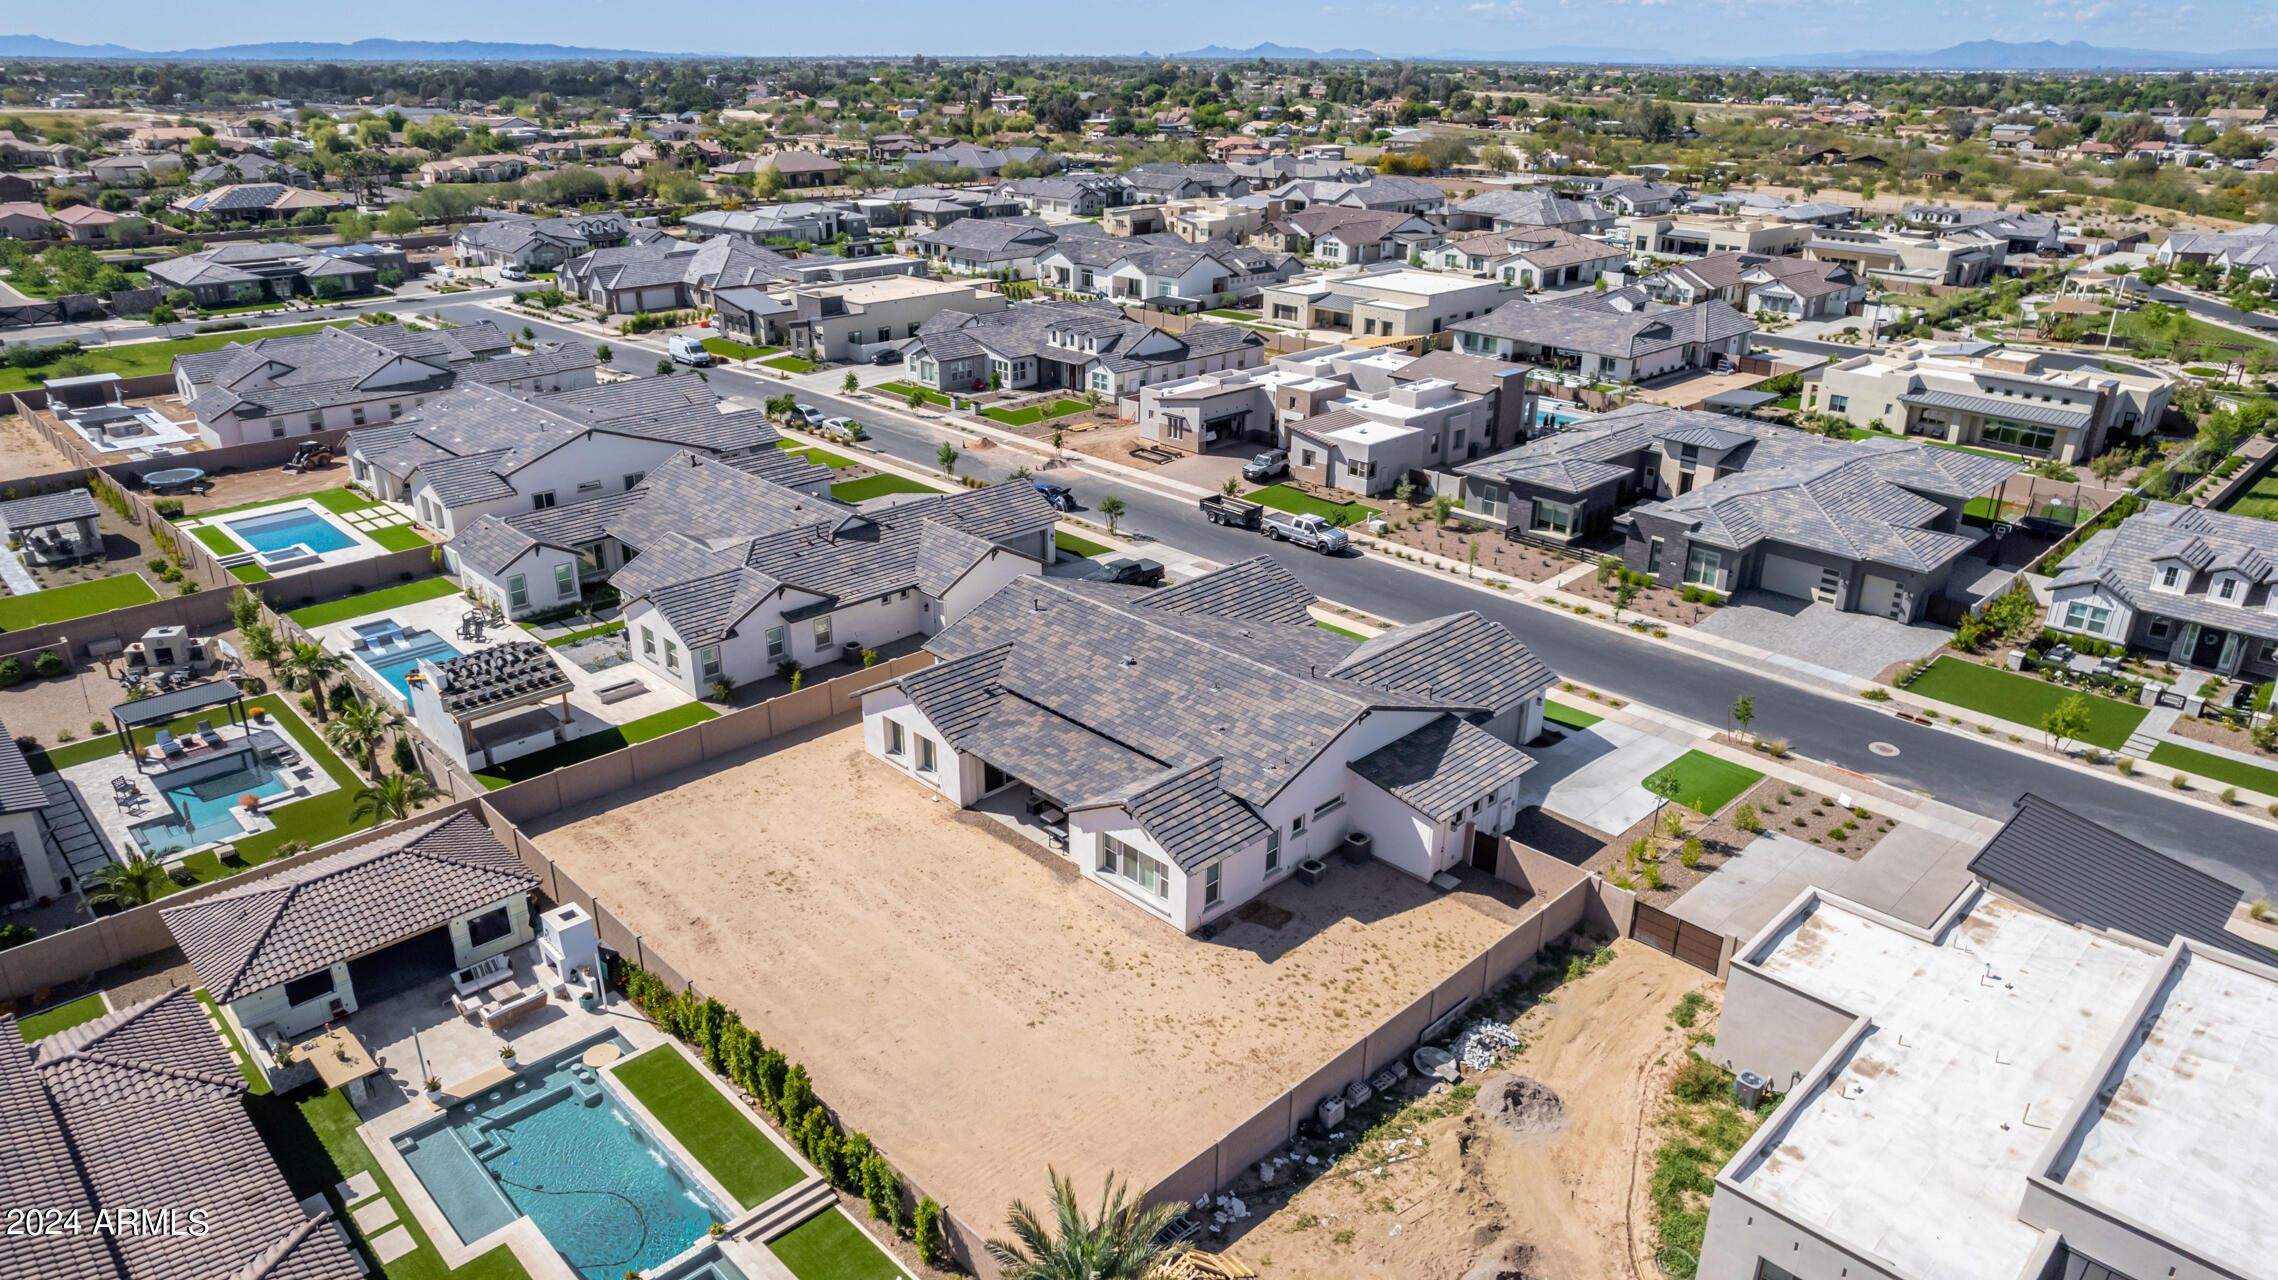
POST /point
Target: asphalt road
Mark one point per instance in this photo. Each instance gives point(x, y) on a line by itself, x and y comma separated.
point(1957, 770)
point(2203, 308)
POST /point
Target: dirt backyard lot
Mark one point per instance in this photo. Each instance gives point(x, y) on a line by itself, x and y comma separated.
point(1547, 1191)
point(966, 998)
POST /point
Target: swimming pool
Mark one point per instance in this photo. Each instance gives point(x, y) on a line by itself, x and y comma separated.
point(553, 1145)
point(282, 529)
point(395, 662)
point(201, 797)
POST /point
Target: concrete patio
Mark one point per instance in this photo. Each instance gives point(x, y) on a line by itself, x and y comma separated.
point(1818, 637)
point(1592, 777)
point(1912, 873)
point(114, 820)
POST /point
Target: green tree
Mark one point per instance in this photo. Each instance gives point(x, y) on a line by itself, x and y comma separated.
point(947, 456)
point(602, 353)
point(1442, 507)
point(2066, 722)
point(850, 384)
point(1117, 1243)
point(244, 610)
point(392, 798)
point(359, 728)
point(307, 666)
point(118, 886)
point(916, 399)
point(1744, 711)
point(1113, 508)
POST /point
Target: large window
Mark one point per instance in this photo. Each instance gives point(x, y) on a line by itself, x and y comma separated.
point(1488, 500)
point(518, 592)
point(1273, 851)
point(1552, 517)
point(822, 633)
point(2022, 436)
point(893, 737)
point(708, 661)
point(489, 927)
point(2081, 615)
point(316, 986)
point(1210, 885)
point(1119, 859)
point(775, 649)
point(926, 761)
point(565, 581)
point(1701, 565)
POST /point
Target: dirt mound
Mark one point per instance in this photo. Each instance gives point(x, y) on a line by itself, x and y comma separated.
point(1527, 1109)
point(1512, 1261)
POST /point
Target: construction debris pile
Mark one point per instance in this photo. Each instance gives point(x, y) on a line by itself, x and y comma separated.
point(1481, 1045)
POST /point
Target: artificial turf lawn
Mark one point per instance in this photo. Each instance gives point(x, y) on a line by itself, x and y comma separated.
point(79, 600)
point(736, 350)
point(311, 1135)
point(217, 540)
point(2206, 764)
point(606, 628)
point(63, 1017)
point(317, 615)
point(2023, 700)
point(1707, 783)
point(397, 537)
point(791, 364)
point(836, 462)
point(1352, 635)
point(722, 1138)
point(251, 573)
point(521, 768)
point(1074, 545)
point(140, 359)
point(1283, 498)
point(1035, 412)
point(829, 1246)
point(1571, 717)
point(877, 485)
point(902, 390)
point(2259, 501)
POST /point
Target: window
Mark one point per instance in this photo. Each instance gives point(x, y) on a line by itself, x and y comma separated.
point(926, 760)
point(2160, 628)
point(1653, 558)
point(1297, 826)
point(1837, 404)
point(1119, 859)
point(672, 655)
point(356, 415)
point(316, 420)
point(316, 986)
point(648, 642)
point(775, 650)
point(276, 428)
point(2082, 615)
point(823, 632)
point(893, 737)
point(1701, 566)
point(1552, 517)
point(2170, 576)
point(708, 661)
point(395, 409)
point(1210, 885)
point(589, 486)
point(1273, 851)
point(489, 927)
point(2227, 589)
point(565, 581)
point(542, 501)
point(1487, 500)
point(1328, 807)
point(2023, 437)
point(518, 592)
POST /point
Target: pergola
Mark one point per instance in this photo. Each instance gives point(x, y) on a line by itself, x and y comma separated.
point(166, 708)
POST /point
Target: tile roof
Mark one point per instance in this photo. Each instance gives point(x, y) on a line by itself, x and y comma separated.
point(1440, 769)
point(2086, 873)
point(268, 377)
point(1589, 323)
point(1026, 330)
point(2122, 559)
point(1534, 206)
point(337, 907)
point(142, 1107)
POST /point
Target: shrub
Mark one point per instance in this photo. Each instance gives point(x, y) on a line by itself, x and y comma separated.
point(2261, 908)
point(406, 756)
point(1777, 748)
point(1699, 1080)
point(1690, 854)
point(1875, 693)
point(2179, 783)
point(925, 1230)
point(11, 673)
point(1745, 819)
point(48, 666)
point(1688, 1010)
point(1690, 595)
point(2230, 795)
point(1653, 875)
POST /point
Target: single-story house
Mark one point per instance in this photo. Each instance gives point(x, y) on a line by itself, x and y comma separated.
point(1595, 335)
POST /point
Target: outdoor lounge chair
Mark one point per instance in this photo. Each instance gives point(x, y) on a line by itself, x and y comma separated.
point(168, 744)
point(206, 731)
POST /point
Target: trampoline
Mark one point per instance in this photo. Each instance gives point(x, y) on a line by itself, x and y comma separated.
point(173, 477)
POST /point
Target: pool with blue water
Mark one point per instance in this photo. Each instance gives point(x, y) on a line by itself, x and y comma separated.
point(301, 526)
point(200, 799)
point(394, 662)
point(555, 1146)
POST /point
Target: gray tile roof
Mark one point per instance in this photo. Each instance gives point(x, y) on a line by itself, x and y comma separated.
point(1442, 768)
point(344, 905)
point(2122, 559)
point(1190, 814)
point(1258, 589)
point(1535, 206)
point(1579, 324)
point(1026, 330)
point(142, 1107)
point(275, 376)
point(2015, 408)
point(48, 508)
point(2086, 873)
point(514, 674)
point(992, 239)
point(1458, 656)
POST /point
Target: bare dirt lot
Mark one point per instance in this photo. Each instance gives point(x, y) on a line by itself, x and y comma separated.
point(1535, 1172)
point(25, 452)
point(966, 998)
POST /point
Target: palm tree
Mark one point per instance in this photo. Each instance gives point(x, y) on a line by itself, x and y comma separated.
point(392, 797)
point(359, 730)
point(126, 884)
point(308, 666)
point(1117, 1244)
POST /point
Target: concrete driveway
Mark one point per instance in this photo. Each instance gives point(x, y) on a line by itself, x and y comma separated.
point(1820, 635)
point(1912, 874)
point(1592, 777)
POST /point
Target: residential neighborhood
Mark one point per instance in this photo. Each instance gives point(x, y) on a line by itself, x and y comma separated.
point(1480, 657)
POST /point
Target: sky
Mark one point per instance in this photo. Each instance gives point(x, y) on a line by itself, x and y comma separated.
point(1721, 28)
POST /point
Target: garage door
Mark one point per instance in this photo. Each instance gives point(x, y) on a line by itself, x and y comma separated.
point(1885, 598)
point(1787, 577)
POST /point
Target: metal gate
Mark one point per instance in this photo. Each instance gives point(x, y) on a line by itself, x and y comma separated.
point(1688, 942)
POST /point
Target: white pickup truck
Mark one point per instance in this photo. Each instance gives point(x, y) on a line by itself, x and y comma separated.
point(1306, 531)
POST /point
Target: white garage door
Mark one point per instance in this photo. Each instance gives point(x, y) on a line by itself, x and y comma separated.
point(1885, 598)
point(1788, 577)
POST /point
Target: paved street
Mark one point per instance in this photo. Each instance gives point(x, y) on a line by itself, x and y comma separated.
point(1958, 770)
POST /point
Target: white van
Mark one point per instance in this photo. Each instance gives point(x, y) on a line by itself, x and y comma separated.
point(689, 351)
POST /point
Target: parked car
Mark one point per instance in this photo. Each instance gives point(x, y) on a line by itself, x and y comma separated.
point(688, 351)
point(843, 430)
point(806, 413)
point(891, 355)
point(1057, 494)
point(512, 272)
point(1221, 509)
point(1307, 531)
point(1132, 573)
point(1266, 466)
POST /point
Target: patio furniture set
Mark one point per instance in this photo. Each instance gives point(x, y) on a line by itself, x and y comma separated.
point(488, 993)
point(198, 741)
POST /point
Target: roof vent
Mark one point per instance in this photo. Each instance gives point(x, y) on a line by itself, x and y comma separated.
point(1129, 661)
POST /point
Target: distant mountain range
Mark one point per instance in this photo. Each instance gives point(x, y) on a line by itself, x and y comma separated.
point(314, 51)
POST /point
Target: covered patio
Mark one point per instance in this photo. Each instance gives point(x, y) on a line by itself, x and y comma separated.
point(162, 709)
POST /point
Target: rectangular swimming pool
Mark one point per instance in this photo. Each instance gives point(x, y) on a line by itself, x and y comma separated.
point(201, 798)
point(555, 1146)
point(394, 663)
point(279, 530)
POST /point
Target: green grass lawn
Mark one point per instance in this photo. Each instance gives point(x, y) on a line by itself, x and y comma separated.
point(135, 359)
point(2022, 699)
point(218, 540)
point(1076, 546)
point(836, 462)
point(342, 500)
point(791, 364)
point(722, 1138)
point(876, 486)
point(79, 600)
point(63, 1017)
point(311, 1134)
point(1351, 635)
point(397, 537)
point(902, 390)
point(829, 1246)
point(251, 573)
point(1571, 717)
point(1707, 783)
point(2260, 500)
point(2206, 764)
point(1226, 313)
point(1034, 412)
point(1283, 498)
point(593, 744)
point(317, 615)
point(736, 350)
point(605, 629)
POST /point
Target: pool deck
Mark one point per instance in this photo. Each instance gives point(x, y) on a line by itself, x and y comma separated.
point(360, 547)
point(93, 783)
point(419, 1025)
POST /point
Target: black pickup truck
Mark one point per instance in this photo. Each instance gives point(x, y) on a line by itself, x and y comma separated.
point(1221, 509)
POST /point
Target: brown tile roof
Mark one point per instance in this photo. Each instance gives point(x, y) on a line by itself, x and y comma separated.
point(345, 905)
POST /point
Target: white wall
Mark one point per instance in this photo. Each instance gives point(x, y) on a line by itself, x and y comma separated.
point(955, 776)
point(598, 458)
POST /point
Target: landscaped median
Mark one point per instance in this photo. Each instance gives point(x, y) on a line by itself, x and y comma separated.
point(902, 391)
point(2223, 769)
point(879, 485)
point(716, 1132)
point(2022, 700)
